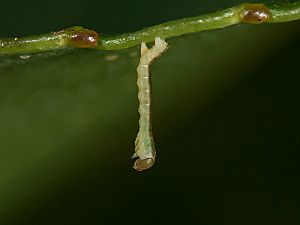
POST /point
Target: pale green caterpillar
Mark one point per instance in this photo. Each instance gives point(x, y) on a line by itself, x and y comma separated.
point(78, 37)
point(144, 143)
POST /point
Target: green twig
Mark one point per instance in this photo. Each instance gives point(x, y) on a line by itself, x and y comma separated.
point(255, 13)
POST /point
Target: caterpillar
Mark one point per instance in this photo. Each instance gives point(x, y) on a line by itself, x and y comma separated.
point(144, 143)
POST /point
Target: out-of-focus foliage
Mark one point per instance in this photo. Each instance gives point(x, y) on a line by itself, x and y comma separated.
point(225, 124)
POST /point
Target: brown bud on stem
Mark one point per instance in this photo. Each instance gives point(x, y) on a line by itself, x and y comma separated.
point(84, 39)
point(255, 13)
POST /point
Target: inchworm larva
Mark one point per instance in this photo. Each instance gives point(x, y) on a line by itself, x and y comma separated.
point(144, 143)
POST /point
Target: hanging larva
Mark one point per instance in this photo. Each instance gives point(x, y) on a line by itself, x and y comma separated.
point(144, 143)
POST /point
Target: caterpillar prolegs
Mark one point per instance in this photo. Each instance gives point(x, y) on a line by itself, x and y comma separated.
point(144, 143)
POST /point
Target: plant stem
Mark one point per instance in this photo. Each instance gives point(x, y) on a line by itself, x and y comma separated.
point(254, 13)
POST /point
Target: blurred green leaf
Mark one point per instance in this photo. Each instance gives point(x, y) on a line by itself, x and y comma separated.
point(69, 120)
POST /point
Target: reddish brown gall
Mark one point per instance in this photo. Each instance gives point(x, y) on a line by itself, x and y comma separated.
point(255, 13)
point(84, 39)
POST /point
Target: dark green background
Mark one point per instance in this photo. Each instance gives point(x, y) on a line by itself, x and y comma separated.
point(226, 122)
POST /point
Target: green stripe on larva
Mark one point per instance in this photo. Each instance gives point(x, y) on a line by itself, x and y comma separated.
point(254, 13)
point(144, 143)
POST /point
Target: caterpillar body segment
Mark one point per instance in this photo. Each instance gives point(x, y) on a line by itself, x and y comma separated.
point(144, 144)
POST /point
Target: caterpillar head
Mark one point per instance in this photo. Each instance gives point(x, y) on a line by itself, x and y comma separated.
point(143, 164)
